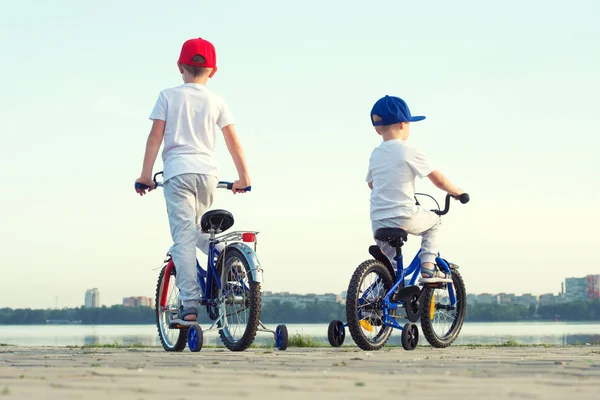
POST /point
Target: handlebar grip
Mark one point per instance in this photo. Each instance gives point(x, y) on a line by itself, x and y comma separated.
point(229, 186)
point(141, 186)
point(464, 198)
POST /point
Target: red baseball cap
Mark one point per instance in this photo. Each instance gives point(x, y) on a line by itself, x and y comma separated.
point(202, 47)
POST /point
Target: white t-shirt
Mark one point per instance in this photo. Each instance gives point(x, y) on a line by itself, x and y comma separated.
point(393, 167)
point(192, 113)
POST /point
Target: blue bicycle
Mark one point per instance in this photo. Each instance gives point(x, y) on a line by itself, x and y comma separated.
point(378, 296)
point(230, 289)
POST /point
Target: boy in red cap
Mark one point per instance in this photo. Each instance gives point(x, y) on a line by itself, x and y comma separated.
point(186, 117)
point(393, 167)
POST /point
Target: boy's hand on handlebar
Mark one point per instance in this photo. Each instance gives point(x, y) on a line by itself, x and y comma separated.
point(456, 195)
point(463, 197)
point(144, 181)
point(240, 185)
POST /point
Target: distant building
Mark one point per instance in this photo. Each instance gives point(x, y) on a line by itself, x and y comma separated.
point(92, 298)
point(138, 301)
point(593, 287)
point(506, 298)
point(326, 297)
point(526, 299)
point(576, 289)
point(299, 299)
point(486, 298)
point(549, 298)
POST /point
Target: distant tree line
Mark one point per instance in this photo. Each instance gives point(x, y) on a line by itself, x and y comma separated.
point(573, 311)
point(318, 312)
point(288, 312)
point(498, 312)
point(115, 315)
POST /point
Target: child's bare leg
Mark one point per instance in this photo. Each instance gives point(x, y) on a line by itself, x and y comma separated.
point(427, 265)
point(428, 270)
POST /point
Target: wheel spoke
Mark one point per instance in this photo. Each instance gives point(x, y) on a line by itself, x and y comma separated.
point(235, 311)
point(369, 286)
point(443, 318)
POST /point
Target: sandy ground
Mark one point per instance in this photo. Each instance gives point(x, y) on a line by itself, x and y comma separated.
point(346, 373)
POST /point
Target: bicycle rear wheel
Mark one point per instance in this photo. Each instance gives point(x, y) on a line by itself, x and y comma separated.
point(369, 285)
point(167, 304)
point(239, 301)
point(441, 323)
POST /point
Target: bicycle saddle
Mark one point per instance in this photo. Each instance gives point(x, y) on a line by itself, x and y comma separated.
point(394, 236)
point(217, 220)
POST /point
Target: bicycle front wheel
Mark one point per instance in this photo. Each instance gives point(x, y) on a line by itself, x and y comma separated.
point(167, 306)
point(369, 285)
point(441, 323)
point(239, 301)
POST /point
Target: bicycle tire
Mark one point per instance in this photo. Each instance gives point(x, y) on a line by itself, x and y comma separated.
point(179, 343)
point(353, 310)
point(252, 302)
point(426, 319)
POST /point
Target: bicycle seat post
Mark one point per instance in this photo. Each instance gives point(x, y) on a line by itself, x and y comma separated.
point(398, 253)
point(399, 264)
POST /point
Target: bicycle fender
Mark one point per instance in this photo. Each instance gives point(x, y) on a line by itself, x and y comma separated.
point(256, 272)
point(377, 254)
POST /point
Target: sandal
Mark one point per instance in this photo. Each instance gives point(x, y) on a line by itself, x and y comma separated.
point(184, 312)
point(434, 276)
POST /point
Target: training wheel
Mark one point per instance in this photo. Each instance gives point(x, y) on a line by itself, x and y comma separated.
point(281, 337)
point(195, 339)
point(336, 333)
point(412, 309)
point(410, 336)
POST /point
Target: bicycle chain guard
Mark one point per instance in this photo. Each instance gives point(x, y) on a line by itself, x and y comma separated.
point(411, 296)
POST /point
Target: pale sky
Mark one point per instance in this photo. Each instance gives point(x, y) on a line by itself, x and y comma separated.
point(510, 90)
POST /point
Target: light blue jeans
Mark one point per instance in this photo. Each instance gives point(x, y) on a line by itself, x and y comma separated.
point(188, 196)
point(422, 223)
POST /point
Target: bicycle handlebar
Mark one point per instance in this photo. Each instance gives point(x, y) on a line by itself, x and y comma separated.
point(229, 186)
point(220, 185)
point(145, 187)
point(463, 198)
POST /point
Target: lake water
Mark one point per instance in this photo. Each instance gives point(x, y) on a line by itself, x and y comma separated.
point(557, 333)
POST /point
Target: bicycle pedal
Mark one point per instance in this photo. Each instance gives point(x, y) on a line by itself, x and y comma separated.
point(177, 325)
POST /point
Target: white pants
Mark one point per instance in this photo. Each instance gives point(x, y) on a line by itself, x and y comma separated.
point(188, 196)
point(423, 223)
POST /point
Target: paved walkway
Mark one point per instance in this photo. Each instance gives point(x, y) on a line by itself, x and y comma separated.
point(457, 372)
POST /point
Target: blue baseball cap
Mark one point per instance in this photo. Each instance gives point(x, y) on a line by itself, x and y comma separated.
point(392, 110)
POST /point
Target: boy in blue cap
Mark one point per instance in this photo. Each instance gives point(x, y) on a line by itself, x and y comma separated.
point(393, 167)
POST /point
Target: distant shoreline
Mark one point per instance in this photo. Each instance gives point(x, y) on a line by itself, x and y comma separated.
point(289, 313)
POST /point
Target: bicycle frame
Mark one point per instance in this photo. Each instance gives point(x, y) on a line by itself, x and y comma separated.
point(414, 269)
point(206, 276)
